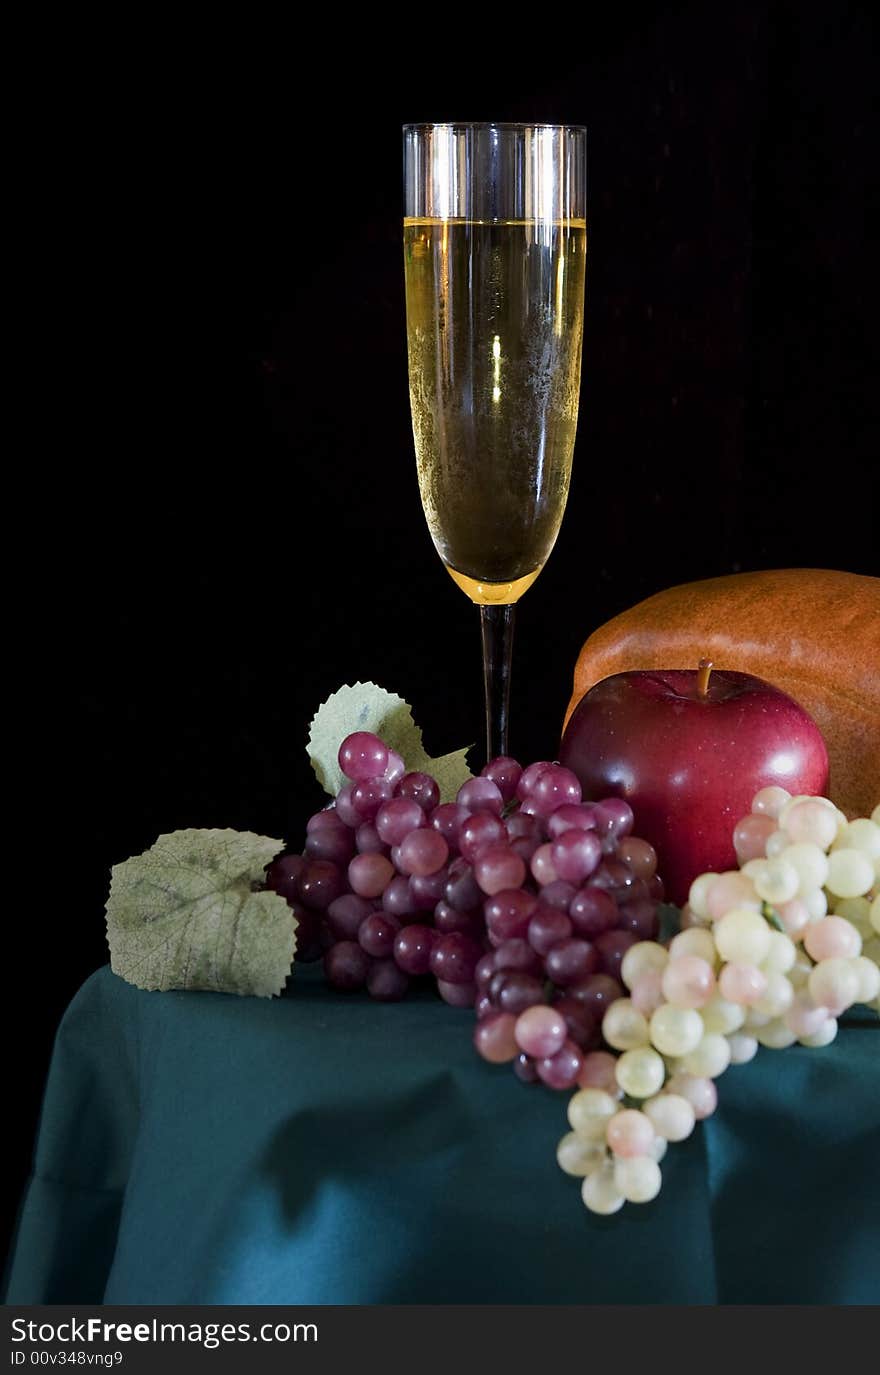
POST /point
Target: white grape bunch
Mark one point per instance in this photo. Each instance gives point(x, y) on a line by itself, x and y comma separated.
point(769, 954)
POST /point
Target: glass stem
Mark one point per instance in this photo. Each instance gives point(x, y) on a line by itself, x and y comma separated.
point(496, 623)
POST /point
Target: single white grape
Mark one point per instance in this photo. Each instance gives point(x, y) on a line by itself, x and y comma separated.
point(869, 979)
point(776, 880)
point(776, 842)
point(638, 1178)
point(579, 1157)
point(721, 1015)
point(832, 937)
point(688, 981)
point(675, 1030)
point(778, 996)
point(742, 984)
point(781, 955)
point(647, 992)
point(589, 1111)
point(863, 835)
point(696, 941)
point(857, 911)
point(672, 1116)
point(750, 836)
point(630, 1133)
point(752, 867)
point(794, 916)
point(600, 1193)
point(776, 1035)
point(816, 904)
point(640, 959)
point(803, 797)
point(640, 1073)
point(709, 1059)
point(623, 1026)
point(824, 1036)
point(850, 873)
point(811, 821)
point(699, 892)
point(743, 1048)
point(770, 801)
point(834, 984)
point(809, 863)
point(701, 1093)
point(742, 936)
point(733, 888)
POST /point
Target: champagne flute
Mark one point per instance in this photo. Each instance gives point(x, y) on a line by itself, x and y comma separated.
point(494, 248)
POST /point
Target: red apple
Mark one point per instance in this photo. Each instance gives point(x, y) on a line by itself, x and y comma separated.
point(689, 749)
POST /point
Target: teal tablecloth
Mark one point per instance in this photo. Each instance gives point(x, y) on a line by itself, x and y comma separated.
point(198, 1148)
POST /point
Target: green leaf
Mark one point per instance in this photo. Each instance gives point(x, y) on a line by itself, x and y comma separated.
point(364, 706)
point(184, 914)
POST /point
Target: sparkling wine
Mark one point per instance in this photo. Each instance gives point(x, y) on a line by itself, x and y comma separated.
point(494, 325)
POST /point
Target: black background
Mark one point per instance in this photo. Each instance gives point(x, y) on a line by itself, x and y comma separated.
point(230, 526)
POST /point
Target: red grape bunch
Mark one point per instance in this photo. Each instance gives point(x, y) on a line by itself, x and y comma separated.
point(519, 898)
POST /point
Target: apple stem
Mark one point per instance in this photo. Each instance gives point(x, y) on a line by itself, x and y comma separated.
point(705, 670)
